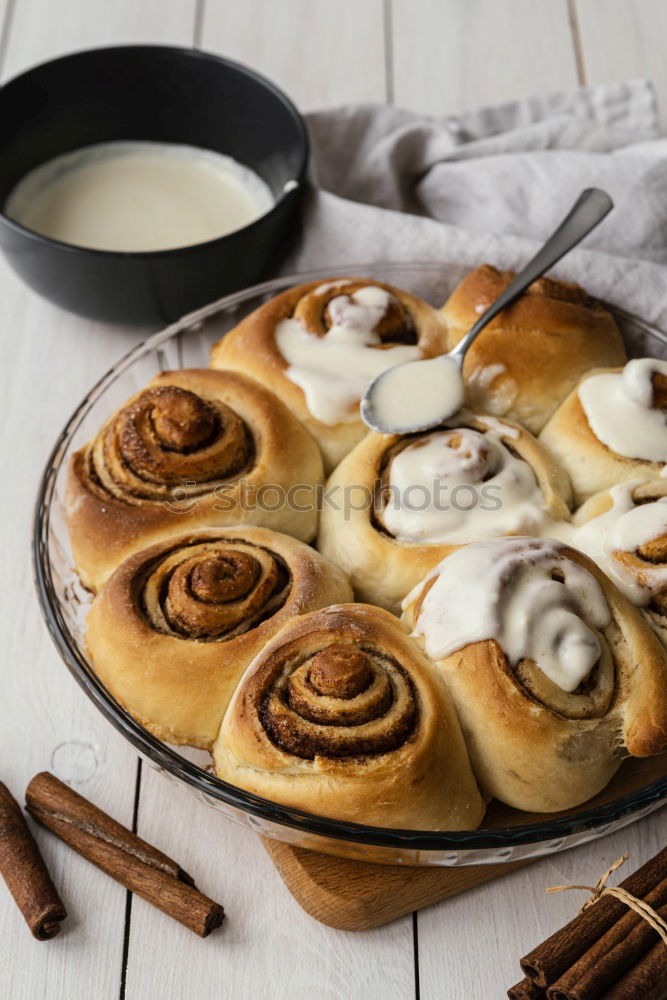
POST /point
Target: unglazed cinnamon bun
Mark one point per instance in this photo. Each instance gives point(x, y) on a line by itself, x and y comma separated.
point(613, 427)
point(318, 346)
point(624, 530)
point(172, 630)
point(395, 506)
point(528, 359)
point(194, 448)
point(553, 672)
point(342, 715)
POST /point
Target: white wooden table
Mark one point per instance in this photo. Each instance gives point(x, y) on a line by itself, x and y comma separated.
point(438, 56)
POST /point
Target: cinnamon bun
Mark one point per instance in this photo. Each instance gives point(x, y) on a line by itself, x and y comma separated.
point(613, 427)
point(395, 506)
point(342, 715)
point(318, 346)
point(528, 359)
point(173, 629)
point(194, 448)
point(624, 530)
point(553, 672)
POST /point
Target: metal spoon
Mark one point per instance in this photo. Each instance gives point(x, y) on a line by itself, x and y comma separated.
point(435, 385)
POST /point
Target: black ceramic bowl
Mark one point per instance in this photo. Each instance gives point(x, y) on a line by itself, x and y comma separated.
point(161, 94)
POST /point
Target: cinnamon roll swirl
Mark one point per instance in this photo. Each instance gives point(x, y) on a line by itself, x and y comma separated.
point(553, 672)
point(613, 427)
point(624, 530)
point(395, 506)
point(342, 715)
point(529, 358)
point(172, 630)
point(194, 448)
point(318, 346)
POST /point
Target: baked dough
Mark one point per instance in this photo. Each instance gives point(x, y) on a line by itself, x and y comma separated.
point(528, 358)
point(342, 715)
point(194, 448)
point(382, 567)
point(533, 744)
point(173, 629)
point(252, 347)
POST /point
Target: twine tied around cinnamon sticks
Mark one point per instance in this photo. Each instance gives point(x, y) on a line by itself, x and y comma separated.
point(609, 951)
point(601, 889)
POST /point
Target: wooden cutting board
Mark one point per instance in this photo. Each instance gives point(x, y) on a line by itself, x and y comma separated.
point(355, 895)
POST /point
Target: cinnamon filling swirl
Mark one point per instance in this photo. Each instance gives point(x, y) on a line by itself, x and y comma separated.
point(590, 700)
point(628, 540)
point(167, 437)
point(212, 590)
point(343, 701)
point(356, 305)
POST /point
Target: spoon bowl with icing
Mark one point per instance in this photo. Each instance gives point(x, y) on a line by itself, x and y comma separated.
point(434, 388)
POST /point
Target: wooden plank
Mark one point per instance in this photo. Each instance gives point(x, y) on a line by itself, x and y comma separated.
point(454, 55)
point(48, 359)
point(322, 53)
point(267, 946)
point(624, 39)
point(41, 29)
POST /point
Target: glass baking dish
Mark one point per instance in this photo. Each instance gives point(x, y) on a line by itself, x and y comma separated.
point(507, 835)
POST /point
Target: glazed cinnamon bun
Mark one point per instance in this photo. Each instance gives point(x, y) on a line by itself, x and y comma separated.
point(529, 358)
point(342, 715)
point(172, 630)
point(317, 346)
point(624, 530)
point(613, 427)
point(554, 674)
point(194, 448)
point(395, 506)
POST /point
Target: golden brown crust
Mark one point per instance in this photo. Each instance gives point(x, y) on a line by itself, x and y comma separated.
point(251, 348)
point(343, 716)
point(382, 568)
point(536, 750)
point(528, 359)
point(591, 465)
point(172, 630)
point(195, 448)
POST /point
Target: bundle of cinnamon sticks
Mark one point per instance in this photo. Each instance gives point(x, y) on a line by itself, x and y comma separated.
point(114, 849)
point(608, 952)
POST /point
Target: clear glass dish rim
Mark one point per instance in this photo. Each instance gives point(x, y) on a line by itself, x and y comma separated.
point(164, 757)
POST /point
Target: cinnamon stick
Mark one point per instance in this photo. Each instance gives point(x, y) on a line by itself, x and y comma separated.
point(25, 873)
point(526, 990)
point(647, 980)
point(120, 853)
point(617, 951)
point(551, 959)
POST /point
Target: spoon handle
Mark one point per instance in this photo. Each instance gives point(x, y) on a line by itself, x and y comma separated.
point(591, 207)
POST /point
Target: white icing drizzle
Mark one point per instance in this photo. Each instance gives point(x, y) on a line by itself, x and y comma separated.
point(619, 411)
point(486, 390)
point(334, 370)
point(499, 426)
point(483, 375)
point(457, 485)
point(505, 590)
point(623, 529)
